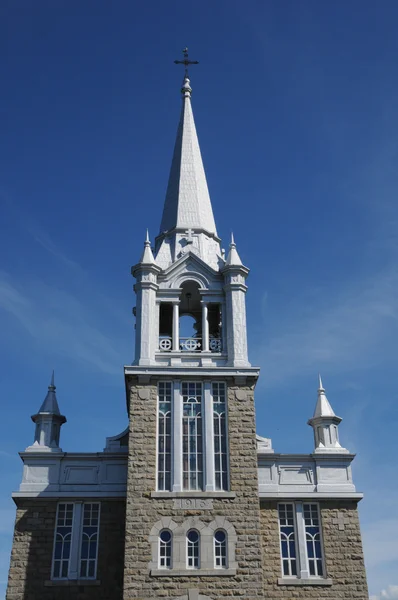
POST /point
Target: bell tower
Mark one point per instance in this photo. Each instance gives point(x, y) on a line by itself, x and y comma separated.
point(192, 495)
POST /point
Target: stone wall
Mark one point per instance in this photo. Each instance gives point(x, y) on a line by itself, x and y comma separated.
point(31, 557)
point(143, 511)
point(343, 554)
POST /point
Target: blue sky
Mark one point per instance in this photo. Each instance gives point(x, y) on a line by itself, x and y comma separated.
point(295, 106)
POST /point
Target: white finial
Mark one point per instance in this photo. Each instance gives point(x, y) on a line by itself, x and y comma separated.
point(233, 258)
point(321, 388)
point(147, 256)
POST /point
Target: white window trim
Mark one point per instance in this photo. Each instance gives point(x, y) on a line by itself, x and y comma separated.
point(200, 432)
point(199, 544)
point(172, 383)
point(81, 540)
point(226, 549)
point(209, 484)
point(171, 549)
point(301, 546)
point(226, 434)
point(76, 542)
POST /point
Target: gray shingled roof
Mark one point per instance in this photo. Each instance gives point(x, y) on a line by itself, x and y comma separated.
point(187, 203)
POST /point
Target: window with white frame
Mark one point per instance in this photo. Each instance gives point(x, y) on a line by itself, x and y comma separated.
point(287, 532)
point(193, 553)
point(63, 539)
point(75, 552)
point(165, 549)
point(89, 541)
point(300, 540)
point(164, 435)
point(220, 435)
point(182, 438)
point(220, 549)
point(313, 539)
point(192, 435)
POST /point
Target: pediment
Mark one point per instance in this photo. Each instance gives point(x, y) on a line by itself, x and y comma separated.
point(190, 266)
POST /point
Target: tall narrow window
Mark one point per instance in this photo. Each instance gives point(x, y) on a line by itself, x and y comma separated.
point(192, 441)
point(287, 539)
point(220, 435)
point(220, 549)
point(193, 557)
point(313, 539)
point(165, 540)
point(63, 539)
point(89, 541)
point(164, 435)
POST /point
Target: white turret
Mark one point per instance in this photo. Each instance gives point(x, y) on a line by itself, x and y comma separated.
point(235, 274)
point(146, 273)
point(325, 425)
point(48, 423)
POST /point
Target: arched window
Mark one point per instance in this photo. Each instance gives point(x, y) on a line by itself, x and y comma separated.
point(193, 557)
point(220, 549)
point(165, 543)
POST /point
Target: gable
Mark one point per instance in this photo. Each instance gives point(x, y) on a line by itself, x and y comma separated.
point(190, 267)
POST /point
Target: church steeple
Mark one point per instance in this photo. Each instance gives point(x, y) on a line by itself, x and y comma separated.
point(187, 221)
point(190, 300)
point(48, 423)
point(187, 203)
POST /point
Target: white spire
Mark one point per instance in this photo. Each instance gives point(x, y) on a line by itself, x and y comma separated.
point(323, 407)
point(325, 425)
point(147, 256)
point(187, 204)
point(233, 258)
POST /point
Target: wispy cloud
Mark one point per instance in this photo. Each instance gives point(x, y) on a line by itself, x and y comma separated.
point(391, 593)
point(57, 320)
point(342, 331)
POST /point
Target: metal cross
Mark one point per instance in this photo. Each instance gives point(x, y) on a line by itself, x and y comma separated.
point(186, 61)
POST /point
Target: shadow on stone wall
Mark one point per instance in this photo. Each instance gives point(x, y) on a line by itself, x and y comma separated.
point(30, 570)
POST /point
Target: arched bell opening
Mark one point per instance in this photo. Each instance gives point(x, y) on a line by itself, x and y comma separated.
point(190, 321)
point(190, 324)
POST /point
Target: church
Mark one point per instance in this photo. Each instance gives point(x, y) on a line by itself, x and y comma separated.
point(188, 502)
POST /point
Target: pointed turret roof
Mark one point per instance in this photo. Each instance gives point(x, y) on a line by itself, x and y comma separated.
point(233, 258)
point(50, 404)
point(187, 203)
point(147, 256)
point(323, 407)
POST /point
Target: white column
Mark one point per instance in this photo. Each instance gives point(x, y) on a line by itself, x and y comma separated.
point(75, 542)
point(223, 332)
point(210, 485)
point(301, 542)
point(205, 328)
point(176, 327)
point(177, 437)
